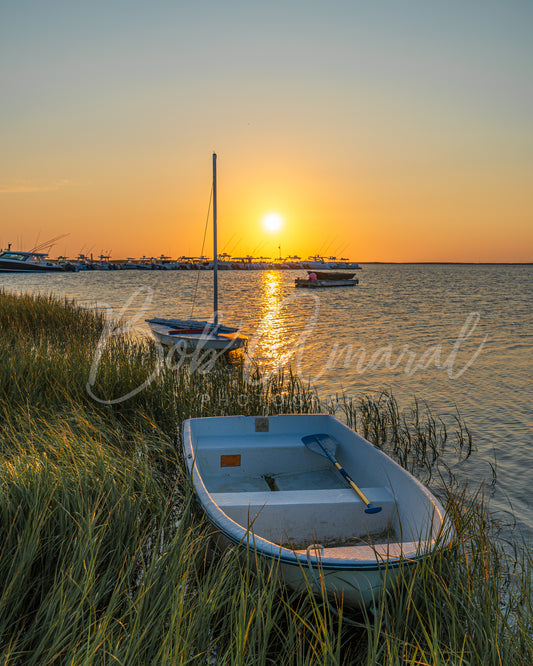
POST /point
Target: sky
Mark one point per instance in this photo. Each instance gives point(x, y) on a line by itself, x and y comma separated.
point(386, 131)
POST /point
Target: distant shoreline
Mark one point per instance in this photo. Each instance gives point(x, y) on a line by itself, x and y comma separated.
point(448, 263)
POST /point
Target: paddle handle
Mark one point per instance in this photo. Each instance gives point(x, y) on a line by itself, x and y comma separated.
point(352, 484)
point(370, 508)
point(344, 473)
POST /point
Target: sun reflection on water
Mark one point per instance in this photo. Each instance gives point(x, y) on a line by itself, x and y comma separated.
point(273, 325)
point(285, 320)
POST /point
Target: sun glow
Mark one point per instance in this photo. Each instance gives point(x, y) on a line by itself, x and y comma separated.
point(272, 222)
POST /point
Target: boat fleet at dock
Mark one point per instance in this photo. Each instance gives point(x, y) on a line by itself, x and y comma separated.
point(18, 261)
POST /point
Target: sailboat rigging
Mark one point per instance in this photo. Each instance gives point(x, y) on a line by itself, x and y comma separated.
point(189, 334)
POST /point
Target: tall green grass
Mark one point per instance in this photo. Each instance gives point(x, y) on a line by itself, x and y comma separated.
point(106, 559)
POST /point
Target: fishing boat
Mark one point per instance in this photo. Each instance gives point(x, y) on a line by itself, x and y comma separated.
point(190, 334)
point(26, 262)
point(309, 493)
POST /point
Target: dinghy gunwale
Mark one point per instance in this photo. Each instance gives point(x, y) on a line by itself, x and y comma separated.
point(244, 537)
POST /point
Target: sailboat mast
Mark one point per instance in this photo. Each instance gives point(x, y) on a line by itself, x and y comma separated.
point(215, 250)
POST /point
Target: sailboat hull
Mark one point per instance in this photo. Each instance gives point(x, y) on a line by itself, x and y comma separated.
point(190, 334)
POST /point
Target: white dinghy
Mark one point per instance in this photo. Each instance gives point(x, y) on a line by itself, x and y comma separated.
point(309, 492)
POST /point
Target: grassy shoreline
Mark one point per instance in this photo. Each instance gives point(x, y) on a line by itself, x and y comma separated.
point(105, 558)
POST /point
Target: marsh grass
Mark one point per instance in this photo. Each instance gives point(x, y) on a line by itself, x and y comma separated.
point(106, 559)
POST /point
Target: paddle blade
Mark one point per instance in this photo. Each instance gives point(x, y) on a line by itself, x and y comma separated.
point(322, 444)
point(325, 445)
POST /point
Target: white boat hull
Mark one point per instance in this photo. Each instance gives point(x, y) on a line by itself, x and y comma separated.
point(264, 490)
point(223, 340)
point(353, 588)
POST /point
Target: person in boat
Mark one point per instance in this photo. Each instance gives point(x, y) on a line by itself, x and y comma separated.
point(312, 276)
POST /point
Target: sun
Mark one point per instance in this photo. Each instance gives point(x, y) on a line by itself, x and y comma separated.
point(272, 222)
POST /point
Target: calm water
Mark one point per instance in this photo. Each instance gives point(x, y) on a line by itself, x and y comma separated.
point(457, 337)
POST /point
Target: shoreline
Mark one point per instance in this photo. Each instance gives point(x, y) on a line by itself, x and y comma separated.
point(88, 490)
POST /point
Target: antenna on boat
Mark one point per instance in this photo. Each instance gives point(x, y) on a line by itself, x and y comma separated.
point(48, 244)
point(215, 251)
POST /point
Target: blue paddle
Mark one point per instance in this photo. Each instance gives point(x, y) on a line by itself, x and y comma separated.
point(325, 446)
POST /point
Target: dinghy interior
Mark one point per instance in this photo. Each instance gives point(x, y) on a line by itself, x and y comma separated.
point(258, 472)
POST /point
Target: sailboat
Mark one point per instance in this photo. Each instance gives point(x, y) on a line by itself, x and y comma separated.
point(190, 334)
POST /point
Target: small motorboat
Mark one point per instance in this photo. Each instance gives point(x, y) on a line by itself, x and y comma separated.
point(309, 493)
point(316, 279)
point(331, 275)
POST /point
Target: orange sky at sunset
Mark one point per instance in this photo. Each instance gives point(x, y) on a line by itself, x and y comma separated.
point(394, 133)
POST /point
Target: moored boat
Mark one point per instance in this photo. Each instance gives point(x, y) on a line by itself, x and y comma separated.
point(308, 492)
point(191, 334)
point(315, 283)
point(332, 275)
point(12, 261)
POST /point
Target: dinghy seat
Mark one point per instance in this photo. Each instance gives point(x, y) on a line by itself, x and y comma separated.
point(307, 516)
point(280, 456)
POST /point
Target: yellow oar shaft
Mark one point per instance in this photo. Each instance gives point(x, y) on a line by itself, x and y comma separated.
point(352, 484)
